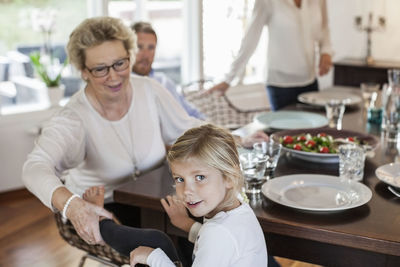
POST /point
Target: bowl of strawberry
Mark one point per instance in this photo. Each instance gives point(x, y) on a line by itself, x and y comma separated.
point(320, 144)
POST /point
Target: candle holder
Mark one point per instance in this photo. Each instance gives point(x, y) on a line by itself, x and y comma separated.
point(369, 29)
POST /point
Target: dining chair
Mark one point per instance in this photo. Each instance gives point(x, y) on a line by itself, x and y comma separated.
point(103, 254)
point(4, 68)
point(219, 110)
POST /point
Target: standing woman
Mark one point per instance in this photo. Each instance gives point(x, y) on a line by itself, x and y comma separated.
point(296, 30)
point(116, 128)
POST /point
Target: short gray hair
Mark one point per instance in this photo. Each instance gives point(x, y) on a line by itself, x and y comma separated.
point(95, 31)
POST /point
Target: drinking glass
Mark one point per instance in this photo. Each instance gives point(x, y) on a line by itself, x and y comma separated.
point(351, 162)
point(369, 92)
point(253, 167)
point(270, 150)
point(334, 112)
point(391, 105)
point(374, 115)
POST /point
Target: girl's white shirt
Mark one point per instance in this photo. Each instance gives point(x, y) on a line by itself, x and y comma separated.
point(80, 147)
point(233, 238)
point(294, 36)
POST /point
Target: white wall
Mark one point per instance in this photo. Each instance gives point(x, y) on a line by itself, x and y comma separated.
point(347, 41)
point(17, 135)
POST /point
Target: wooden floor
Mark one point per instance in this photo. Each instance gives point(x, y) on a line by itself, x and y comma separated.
point(29, 236)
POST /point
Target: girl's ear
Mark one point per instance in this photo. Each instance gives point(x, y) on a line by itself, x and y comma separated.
point(228, 183)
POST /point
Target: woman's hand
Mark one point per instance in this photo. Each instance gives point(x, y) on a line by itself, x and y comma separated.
point(258, 136)
point(221, 88)
point(84, 216)
point(139, 255)
point(325, 63)
point(177, 213)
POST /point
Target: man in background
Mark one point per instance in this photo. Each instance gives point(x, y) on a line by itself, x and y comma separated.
point(147, 43)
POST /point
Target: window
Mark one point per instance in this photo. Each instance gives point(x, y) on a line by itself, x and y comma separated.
point(166, 19)
point(21, 34)
point(17, 26)
point(229, 18)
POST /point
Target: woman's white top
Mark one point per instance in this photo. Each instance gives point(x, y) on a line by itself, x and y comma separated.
point(295, 36)
point(78, 146)
point(229, 239)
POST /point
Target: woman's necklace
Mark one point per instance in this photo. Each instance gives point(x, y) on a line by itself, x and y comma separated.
point(136, 171)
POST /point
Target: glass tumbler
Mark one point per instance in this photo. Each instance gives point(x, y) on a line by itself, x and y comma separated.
point(334, 113)
point(351, 162)
point(253, 167)
point(272, 151)
point(369, 92)
point(391, 106)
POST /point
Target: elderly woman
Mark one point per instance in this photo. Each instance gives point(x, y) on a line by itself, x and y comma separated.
point(118, 125)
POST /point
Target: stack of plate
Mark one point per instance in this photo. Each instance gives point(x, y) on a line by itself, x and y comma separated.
point(320, 98)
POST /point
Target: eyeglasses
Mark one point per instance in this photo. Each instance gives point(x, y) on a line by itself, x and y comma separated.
point(102, 71)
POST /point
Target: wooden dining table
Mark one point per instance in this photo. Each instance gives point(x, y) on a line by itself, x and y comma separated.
point(368, 235)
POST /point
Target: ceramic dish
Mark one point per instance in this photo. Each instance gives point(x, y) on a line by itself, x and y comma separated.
point(389, 174)
point(314, 192)
point(285, 120)
point(320, 98)
point(323, 157)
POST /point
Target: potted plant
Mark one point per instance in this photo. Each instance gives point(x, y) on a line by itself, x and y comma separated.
point(47, 67)
point(49, 71)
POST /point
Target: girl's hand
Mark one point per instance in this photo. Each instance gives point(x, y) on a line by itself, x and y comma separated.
point(139, 255)
point(177, 213)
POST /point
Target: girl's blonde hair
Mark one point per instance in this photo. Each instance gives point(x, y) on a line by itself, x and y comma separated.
point(216, 147)
point(95, 31)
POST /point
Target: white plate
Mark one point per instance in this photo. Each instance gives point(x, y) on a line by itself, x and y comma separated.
point(286, 120)
point(320, 98)
point(314, 192)
point(390, 174)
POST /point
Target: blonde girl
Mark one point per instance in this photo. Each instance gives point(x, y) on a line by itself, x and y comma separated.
point(205, 166)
